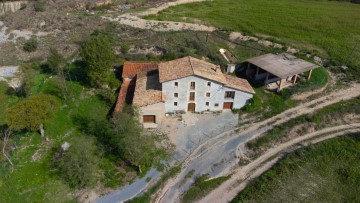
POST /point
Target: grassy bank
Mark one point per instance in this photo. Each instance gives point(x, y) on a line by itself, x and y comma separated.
point(268, 104)
point(325, 172)
point(329, 28)
point(201, 187)
point(328, 116)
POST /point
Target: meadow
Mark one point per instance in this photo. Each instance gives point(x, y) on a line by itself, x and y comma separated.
point(327, 28)
point(325, 172)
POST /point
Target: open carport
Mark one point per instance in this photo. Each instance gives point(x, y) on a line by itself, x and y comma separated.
point(282, 69)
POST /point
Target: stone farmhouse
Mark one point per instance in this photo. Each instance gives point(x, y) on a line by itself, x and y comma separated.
point(182, 85)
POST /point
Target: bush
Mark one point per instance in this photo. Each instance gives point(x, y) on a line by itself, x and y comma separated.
point(55, 61)
point(253, 105)
point(39, 6)
point(78, 165)
point(30, 45)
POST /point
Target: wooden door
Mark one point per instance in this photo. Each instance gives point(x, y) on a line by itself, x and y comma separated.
point(149, 119)
point(191, 107)
point(228, 105)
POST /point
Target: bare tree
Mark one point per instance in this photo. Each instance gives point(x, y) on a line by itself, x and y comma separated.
point(5, 135)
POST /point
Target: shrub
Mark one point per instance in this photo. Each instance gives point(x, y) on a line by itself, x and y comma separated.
point(30, 45)
point(55, 61)
point(39, 6)
point(79, 164)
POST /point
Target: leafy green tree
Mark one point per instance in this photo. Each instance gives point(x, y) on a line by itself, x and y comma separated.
point(32, 113)
point(56, 63)
point(98, 56)
point(78, 165)
point(132, 144)
point(31, 45)
point(123, 138)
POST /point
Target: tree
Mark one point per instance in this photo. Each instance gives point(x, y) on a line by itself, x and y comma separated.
point(32, 113)
point(78, 165)
point(133, 145)
point(27, 74)
point(55, 61)
point(56, 65)
point(98, 56)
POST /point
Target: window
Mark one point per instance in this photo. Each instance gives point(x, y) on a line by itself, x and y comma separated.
point(217, 104)
point(208, 84)
point(207, 103)
point(208, 94)
point(175, 103)
point(176, 95)
point(176, 84)
point(230, 94)
point(192, 96)
point(192, 85)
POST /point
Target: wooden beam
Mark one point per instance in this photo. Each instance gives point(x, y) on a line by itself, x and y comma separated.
point(267, 76)
point(309, 76)
point(295, 79)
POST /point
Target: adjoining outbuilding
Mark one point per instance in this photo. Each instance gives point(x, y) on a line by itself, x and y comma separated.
point(280, 69)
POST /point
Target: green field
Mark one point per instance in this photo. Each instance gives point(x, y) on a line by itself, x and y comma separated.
point(328, 28)
point(325, 172)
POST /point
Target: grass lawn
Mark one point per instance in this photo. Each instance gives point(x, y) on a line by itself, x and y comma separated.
point(329, 28)
point(325, 172)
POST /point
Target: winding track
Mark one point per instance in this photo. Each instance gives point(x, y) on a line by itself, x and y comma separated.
point(242, 176)
point(204, 157)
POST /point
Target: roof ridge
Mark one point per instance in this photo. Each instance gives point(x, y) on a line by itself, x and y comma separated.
point(192, 68)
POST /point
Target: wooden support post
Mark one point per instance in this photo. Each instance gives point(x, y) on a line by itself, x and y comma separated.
point(295, 79)
point(247, 69)
point(257, 72)
point(280, 85)
point(309, 76)
point(267, 76)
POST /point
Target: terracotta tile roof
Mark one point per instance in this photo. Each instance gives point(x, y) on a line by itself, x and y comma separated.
point(148, 89)
point(122, 95)
point(188, 66)
point(238, 84)
point(131, 68)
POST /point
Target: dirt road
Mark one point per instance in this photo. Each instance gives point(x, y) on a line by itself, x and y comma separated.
point(242, 176)
point(217, 156)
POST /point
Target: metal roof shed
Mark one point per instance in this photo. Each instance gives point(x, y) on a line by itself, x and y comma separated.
point(282, 65)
